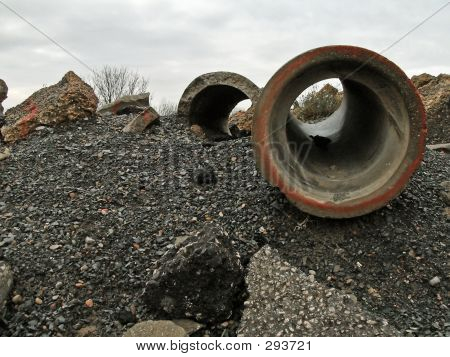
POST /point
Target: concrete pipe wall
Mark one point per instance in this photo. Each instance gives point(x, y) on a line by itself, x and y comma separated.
point(209, 99)
point(354, 161)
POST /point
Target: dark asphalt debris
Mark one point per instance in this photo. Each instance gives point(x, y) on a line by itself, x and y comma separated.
point(86, 211)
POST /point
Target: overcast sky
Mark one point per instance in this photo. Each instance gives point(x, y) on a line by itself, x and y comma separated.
point(172, 42)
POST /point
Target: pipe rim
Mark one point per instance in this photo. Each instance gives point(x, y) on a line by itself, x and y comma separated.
point(264, 114)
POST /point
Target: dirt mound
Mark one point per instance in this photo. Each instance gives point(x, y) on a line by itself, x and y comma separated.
point(435, 93)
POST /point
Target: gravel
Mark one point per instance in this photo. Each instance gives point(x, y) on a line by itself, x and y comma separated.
point(135, 196)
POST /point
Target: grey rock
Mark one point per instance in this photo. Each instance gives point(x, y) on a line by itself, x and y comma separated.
point(283, 302)
point(4, 154)
point(89, 240)
point(55, 246)
point(189, 326)
point(199, 280)
point(440, 147)
point(180, 240)
point(435, 281)
point(445, 193)
point(159, 328)
point(17, 299)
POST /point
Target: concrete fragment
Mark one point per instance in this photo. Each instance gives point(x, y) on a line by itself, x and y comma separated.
point(284, 302)
point(127, 104)
point(141, 121)
point(159, 328)
point(199, 279)
point(68, 100)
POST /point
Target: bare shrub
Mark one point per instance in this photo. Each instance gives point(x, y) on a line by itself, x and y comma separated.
point(167, 108)
point(111, 83)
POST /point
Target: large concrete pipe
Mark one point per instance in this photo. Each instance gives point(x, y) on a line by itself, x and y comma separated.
point(354, 161)
point(209, 99)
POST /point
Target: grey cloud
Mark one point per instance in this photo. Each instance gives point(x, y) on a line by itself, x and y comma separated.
point(172, 42)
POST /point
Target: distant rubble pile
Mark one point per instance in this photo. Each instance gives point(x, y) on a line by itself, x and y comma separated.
point(435, 93)
point(318, 104)
point(242, 121)
point(70, 99)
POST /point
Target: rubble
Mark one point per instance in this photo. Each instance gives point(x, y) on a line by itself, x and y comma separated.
point(69, 100)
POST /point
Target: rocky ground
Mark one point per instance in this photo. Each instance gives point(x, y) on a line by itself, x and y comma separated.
point(86, 210)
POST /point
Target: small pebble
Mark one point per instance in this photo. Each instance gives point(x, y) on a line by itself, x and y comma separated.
point(435, 281)
point(89, 241)
point(17, 299)
point(38, 301)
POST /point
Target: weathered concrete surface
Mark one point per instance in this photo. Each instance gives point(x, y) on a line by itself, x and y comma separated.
point(141, 121)
point(359, 158)
point(285, 302)
point(210, 98)
point(127, 104)
point(70, 99)
point(6, 282)
point(159, 328)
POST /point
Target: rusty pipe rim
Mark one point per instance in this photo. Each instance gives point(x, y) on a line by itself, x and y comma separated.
point(397, 133)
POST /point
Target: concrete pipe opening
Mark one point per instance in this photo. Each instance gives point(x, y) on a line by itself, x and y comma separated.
point(210, 98)
point(362, 155)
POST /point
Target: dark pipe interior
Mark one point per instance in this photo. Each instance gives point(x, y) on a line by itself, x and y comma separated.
point(211, 108)
point(354, 150)
point(346, 142)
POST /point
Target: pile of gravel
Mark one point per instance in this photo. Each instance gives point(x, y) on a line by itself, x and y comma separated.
point(86, 211)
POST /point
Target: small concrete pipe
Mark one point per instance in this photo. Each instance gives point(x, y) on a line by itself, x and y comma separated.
point(359, 158)
point(209, 99)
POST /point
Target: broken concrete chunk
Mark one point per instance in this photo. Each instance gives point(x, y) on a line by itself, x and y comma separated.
point(141, 121)
point(200, 279)
point(284, 302)
point(70, 99)
point(127, 105)
point(159, 328)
